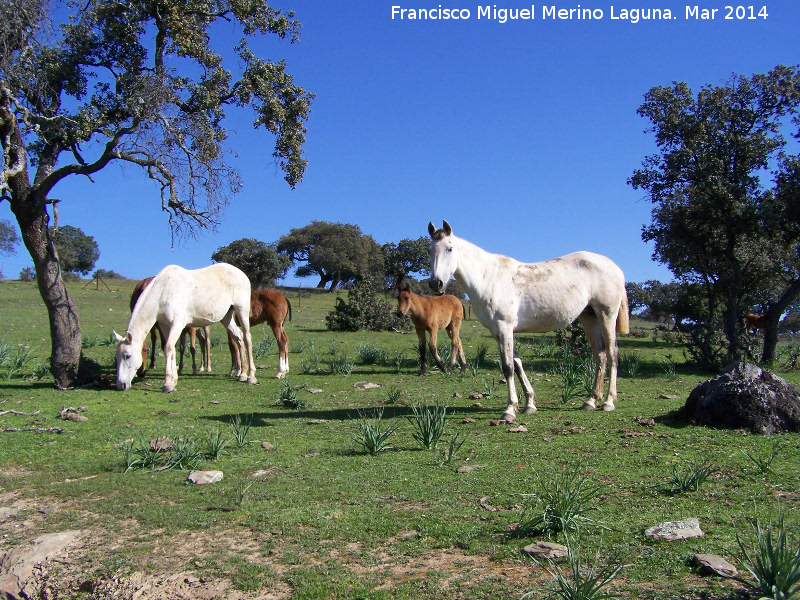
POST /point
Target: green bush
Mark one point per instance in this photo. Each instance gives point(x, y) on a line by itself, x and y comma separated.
point(365, 308)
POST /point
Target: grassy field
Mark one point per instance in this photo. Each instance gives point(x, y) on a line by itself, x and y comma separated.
point(318, 517)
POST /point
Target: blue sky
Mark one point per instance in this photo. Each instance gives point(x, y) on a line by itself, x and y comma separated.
point(521, 134)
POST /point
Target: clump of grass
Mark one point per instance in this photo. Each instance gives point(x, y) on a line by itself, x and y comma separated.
point(456, 441)
point(287, 396)
point(181, 453)
point(373, 434)
point(341, 365)
point(240, 427)
point(560, 503)
point(629, 363)
point(691, 478)
point(764, 463)
point(215, 444)
point(481, 352)
point(370, 354)
point(16, 360)
point(429, 423)
point(774, 561)
point(393, 395)
point(583, 581)
point(568, 371)
point(264, 347)
point(489, 388)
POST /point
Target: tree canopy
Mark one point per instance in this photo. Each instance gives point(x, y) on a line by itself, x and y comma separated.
point(77, 252)
point(259, 261)
point(407, 256)
point(142, 83)
point(709, 221)
point(336, 252)
point(8, 237)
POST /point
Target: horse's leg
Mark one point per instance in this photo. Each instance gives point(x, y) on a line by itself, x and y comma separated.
point(171, 368)
point(235, 358)
point(153, 344)
point(434, 350)
point(527, 388)
point(453, 335)
point(608, 325)
point(423, 359)
point(205, 347)
point(238, 339)
point(248, 344)
point(142, 370)
point(193, 347)
point(594, 335)
point(283, 348)
point(244, 342)
point(181, 349)
point(505, 343)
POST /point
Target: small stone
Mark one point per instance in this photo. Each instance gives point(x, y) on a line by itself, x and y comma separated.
point(267, 446)
point(468, 468)
point(520, 429)
point(477, 405)
point(205, 477)
point(365, 385)
point(577, 430)
point(545, 550)
point(675, 530)
point(318, 421)
point(715, 565)
point(314, 390)
point(668, 397)
point(468, 420)
point(457, 395)
point(262, 367)
point(475, 396)
point(75, 417)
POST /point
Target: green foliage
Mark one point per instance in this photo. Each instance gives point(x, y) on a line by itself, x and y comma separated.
point(216, 442)
point(407, 256)
point(576, 377)
point(27, 274)
point(265, 347)
point(584, 581)
point(341, 364)
point(373, 435)
point(77, 252)
point(429, 422)
point(691, 478)
point(559, 503)
point(456, 441)
point(287, 396)
point(240, 427)
point(764, 462)
point(161, 454)
point(104, 274)
point(774, 562)
point(8, 237)
point(337, 252)
point(629, 364)
point(365, 308)
point(370, 354)
point(259, 261)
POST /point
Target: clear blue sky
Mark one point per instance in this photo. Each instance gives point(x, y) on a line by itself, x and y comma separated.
point(521, 134)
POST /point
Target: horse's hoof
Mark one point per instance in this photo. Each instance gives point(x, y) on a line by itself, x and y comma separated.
point(194, 371)
point(242, 378)
point(168, 388)
point(508, 417)
point(281, 374)
point(588, 405)
point(530, 409)
point(251, 380)
point(608, 407)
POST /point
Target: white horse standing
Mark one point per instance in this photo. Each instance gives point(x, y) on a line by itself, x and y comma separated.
point(177, 298)
point(509, 296)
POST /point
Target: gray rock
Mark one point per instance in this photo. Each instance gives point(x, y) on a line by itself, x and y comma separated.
point(715, 565)
point(7, 513)
point(744, 396)
point(205, 477)
point(545, 550)
point(16, 565)
point(365, 385)
point(675, 530)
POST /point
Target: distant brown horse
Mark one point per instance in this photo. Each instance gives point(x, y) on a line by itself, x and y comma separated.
point(752, 321)
point(268, 306)
point(155, 332)
point(432, 313)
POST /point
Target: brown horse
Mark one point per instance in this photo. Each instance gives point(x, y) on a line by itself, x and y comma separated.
point(432, 313)
point(155, 332)
point(270, 306)
point(752, 321)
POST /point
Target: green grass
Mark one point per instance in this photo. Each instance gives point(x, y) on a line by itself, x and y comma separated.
point(325, 521)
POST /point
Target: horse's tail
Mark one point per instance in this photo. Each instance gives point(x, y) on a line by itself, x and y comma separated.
point(623, 318)
point(289, 304)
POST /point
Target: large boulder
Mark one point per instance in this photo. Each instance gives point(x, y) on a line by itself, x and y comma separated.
point(744, 396)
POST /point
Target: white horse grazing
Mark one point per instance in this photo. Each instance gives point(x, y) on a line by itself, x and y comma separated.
point(177, 298)
point(509, 296)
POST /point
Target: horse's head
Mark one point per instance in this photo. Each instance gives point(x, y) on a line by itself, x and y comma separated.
point(128, 360)
point(444, 258)
point(403, 297)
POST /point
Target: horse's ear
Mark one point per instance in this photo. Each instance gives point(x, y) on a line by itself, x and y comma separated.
point(431, 228)
point(447, 229)
point(118, 337)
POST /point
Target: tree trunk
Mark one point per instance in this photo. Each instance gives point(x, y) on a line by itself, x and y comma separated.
point(337, 277)
point(66, 361)
point(773, 320)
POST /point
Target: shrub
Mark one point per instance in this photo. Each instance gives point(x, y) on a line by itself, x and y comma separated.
point(429, 423)
point(365, 308)
point(27, 274)
point(372, 434)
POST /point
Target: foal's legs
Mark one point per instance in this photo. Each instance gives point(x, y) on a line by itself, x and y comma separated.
point(456, 349)
point(434, 351)
point(204, 333)
point(283, 348)
point(423, 358)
